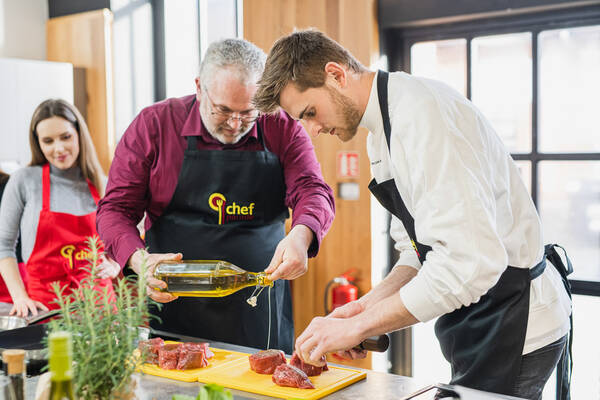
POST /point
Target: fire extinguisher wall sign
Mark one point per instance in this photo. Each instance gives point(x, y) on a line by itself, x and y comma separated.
point(347, 164)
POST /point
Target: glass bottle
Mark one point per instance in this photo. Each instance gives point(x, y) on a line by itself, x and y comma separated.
point(60, 360)
point(14, 367)
point(207, 278)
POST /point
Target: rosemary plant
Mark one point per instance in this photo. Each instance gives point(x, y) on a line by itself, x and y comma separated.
point(104, 329)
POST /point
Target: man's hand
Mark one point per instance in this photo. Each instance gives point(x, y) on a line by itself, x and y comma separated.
point(108, 268)
point(325, 335)
point(153, 284)
point(352, 354)
point(290, 260)
point(22, 306)
point(348, 310)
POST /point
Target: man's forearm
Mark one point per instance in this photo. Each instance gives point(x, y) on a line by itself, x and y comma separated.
point(390, 314)
point(303, 234)
point(398, 277)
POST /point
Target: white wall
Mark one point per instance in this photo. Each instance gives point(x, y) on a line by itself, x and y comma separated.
point(23, 28)
point(25, 84)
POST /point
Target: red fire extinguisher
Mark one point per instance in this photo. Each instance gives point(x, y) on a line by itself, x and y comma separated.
point(343, 293)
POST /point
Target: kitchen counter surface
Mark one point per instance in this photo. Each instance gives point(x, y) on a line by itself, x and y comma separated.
point(377, 385)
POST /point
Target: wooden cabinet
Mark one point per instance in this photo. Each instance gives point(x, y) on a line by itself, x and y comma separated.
point(85, 40)
point(353, 24)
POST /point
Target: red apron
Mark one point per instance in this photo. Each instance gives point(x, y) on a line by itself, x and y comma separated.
point(4, 293)
point(60, 251)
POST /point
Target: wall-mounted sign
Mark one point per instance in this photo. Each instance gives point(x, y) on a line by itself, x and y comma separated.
point(347, 164)
point(348, 190)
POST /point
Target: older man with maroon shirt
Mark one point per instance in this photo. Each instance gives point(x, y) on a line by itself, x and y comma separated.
point(181, 155)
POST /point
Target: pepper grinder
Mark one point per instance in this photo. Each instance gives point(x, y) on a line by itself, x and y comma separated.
point(14, 364)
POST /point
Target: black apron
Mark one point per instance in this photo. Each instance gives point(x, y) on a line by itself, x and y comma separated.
point(245, 233)
point(482, 342)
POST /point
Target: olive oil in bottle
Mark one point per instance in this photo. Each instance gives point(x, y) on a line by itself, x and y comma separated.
point(207, 278)
point(60, 360)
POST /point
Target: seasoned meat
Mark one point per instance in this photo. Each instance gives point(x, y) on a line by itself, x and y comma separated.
point(149, 349)
point(189, 359)
point(309, 369)
point(168, 355)
point(265, 361)
point(288, 375)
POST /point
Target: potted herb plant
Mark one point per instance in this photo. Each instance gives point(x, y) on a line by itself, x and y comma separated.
point(105, 331)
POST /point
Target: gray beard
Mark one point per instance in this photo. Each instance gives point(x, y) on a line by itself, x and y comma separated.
point(239, 137)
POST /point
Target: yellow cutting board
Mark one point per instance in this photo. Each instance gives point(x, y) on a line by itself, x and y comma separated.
point(191, 375)
point(231, 369)
point(238, 375)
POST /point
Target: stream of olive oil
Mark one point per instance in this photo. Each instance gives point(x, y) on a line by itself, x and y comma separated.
point(269, 334)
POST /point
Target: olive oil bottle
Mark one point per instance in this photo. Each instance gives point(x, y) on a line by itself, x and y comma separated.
point(207, 278)
point(60, 360)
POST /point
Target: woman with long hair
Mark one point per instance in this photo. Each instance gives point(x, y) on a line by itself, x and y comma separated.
point(52, 203)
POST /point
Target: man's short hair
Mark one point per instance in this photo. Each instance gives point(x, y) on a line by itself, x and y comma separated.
point(299, 58)
point(244, 59)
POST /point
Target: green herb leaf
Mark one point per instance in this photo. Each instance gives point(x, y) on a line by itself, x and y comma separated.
point(202, 394)
point(217, 392)
point(182, 397)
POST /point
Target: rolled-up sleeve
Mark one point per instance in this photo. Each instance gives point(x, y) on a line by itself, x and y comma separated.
point(307, 194)
point(122, 208)
point(452, 201)
point(403, 244)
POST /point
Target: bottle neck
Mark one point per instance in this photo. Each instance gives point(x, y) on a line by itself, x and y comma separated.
point(262, 280)
point(60, 367)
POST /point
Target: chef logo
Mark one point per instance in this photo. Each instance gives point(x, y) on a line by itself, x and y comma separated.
point(69, 253)
point(231, 212)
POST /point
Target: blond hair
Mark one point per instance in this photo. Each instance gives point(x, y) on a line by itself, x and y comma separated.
point(299, 58)
point(87, 159)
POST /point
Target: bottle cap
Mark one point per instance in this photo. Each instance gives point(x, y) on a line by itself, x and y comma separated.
point(14, 360)
point(60, 355)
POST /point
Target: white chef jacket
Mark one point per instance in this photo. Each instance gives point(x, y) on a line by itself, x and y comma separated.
point(468, 201)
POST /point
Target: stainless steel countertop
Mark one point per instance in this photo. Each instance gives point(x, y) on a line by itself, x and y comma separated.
point(377, 385)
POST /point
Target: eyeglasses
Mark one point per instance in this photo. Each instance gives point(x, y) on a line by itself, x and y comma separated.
point(245, 117)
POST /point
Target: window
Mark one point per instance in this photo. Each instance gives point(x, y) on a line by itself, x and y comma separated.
point(190, 27)
point(133, 60)
point(537, 81)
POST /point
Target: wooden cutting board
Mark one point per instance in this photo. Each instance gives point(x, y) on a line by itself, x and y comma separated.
point(232, 370)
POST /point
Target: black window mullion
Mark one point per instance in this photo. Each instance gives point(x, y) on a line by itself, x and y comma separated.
point(469, 64)
point(534, 118)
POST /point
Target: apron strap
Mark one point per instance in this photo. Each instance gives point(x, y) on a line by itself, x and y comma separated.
point(382, 94)
point(46, 187)
point(565, 364)
point(538, 269)
point(93, 191)
point(192, 143)
point(261, 137)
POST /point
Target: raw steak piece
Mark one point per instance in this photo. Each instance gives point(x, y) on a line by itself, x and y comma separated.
point(309, 369)
point(265, 361)
point(189, 358)
point(168, 355)
point(288, 375)
point(199, 346)
point(149, 348)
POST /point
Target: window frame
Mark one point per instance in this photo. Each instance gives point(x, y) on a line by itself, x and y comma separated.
point(397, 43)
